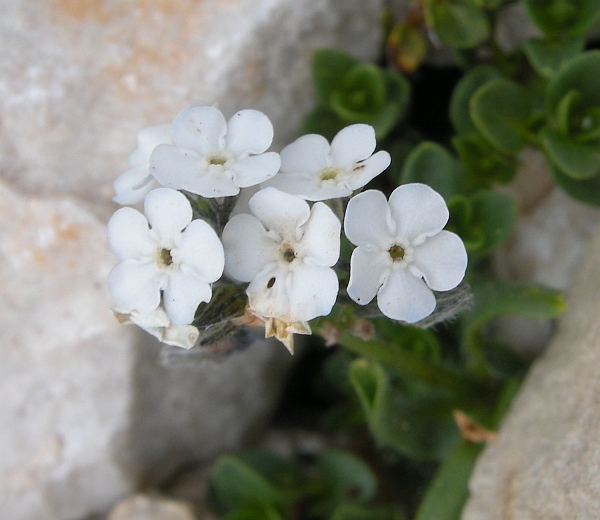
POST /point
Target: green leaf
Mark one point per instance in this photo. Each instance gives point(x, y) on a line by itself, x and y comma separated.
point(417, 426)
point(361, 94)
point(423, 343)
point(447, 494)
point(329, 68)
point(358, 512)
point(497, 298)
point(495, 214)
point(463, 92)
point(501, 111)
point(398, 97)
point(557, 17)
point(235, 484)
point(575, 159)
point(252, 512)
point(587, 190)
point(458, 23)
point(483, 165)
point(484, 220)
point(431, 164)
point(565, 107)
point(573, 95)
point(410, 364)
point(344, 478)
point(547, 56)
point(276, 470)
point(322, 121)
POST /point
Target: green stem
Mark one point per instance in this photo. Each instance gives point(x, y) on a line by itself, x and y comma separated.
point(409, 364)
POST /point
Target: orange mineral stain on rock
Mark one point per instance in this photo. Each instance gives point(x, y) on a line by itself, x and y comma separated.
point(80, 10)
point(104, 11)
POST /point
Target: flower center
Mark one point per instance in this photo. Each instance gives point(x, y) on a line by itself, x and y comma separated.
point(289, 254)
point(218, 160)
point(397, 253)
point(328, 174)
point(165, 257)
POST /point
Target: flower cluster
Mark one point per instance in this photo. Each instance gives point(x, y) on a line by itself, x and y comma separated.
point(284, 242)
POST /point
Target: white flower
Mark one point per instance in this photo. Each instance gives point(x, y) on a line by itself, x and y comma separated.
point(402, 252)
point(314, 170)
point(159, 325)
point(215, 158)
point(166, 259)
point(285, 250)
point(132, 186)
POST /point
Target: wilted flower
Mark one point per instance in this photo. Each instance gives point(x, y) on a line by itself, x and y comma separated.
point(285, 250)
point(159, 325)
point(314, 170)
point(215, 158)
point(176, 257)
point(402, 252)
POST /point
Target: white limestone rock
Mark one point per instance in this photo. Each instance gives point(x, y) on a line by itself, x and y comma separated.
point(545, 246)
point(78, 79)
point(146, 507)
point(87, 411)
point(546, 461)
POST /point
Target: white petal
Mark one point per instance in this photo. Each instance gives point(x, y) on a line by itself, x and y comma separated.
point(129, 236)
point(168, 212)
point(247, 248)
point(212, 184)
point(307, 154)
point(368, 271)
point(132, 186)
point(368, 220)
point(312, 291)
point(418, 211)
point(367, 170)
point(135, 286)
point(255, 169)
point(352, 144)
point(248, 132)
point(200, 128)
point(182, 295)
point(201, 250)
point(173, 167)
point(149, 138)
point(300, 184)
point(405, 297)
point(280, 212)
point(268, 293)
point(320, 243)
point(441, 260)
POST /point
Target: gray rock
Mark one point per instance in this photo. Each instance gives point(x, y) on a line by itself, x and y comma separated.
point(79, 79)
point(545, 246)
point(88, 409)
point(145, 507)
point(546, 461)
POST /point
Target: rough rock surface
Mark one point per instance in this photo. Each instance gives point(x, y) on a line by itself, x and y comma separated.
point(88, 413)
point(87, 410)
point(79, 78)
point(544, 248)
point(144, 507)
point(546, 462)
